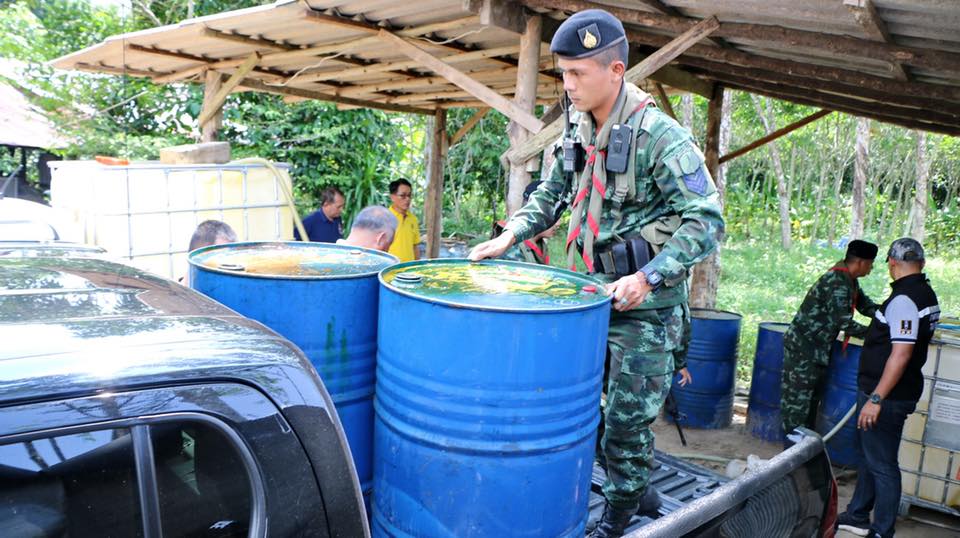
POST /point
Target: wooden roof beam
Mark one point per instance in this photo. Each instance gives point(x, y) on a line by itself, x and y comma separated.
point(322, 96)
point(464, 81)
point(778, 77)
point(775, 135)
point(422, 82)
point(373, 29)
point(845, 76)
point(468, 126)
point(259, 43)
point(404, 65)
point(659, 7)
point(207, 63)
point(888, 112)
point(651, 64)
point(354, 43)
point(866, 15)
point(102, 68)
point(935, 60)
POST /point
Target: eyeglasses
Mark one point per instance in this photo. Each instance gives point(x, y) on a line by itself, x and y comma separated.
point(407, 195)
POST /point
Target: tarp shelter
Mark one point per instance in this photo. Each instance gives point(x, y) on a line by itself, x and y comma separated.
point(896, 61)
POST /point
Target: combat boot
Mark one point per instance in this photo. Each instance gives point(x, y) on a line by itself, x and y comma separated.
point(612, 523)
point(650, 503)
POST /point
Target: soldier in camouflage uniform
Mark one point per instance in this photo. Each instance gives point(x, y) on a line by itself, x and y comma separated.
point(664, 201)
point(826, 310)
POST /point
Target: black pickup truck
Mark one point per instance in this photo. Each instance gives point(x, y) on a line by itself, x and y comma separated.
point(132, 406)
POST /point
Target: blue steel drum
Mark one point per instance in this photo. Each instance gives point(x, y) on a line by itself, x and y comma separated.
point(707, 402)
point(840, 394)
point(487, 405)
point(763, 410)
point(322, 297)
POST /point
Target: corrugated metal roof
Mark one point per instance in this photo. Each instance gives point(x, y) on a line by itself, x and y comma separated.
point(822, 54)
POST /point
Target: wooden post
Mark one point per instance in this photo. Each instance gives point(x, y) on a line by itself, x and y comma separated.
point(706, 274)
point(212, 85)
point(433, 205)
point(525, 98)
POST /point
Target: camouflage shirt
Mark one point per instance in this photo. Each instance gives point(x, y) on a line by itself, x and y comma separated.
point(828, 309)
point(671, 179)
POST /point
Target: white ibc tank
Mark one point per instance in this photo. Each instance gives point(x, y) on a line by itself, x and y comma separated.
point(930, 445)
point(146, 212)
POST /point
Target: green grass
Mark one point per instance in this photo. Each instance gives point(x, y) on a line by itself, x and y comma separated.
point(765, 283)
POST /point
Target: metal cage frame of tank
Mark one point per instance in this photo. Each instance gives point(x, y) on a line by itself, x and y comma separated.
point(913, 499)
point(172, 251)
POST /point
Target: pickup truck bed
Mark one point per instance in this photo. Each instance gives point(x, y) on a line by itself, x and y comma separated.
point(792, 495)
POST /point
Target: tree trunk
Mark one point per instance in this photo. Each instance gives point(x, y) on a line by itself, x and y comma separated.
point(706, 274)
point(919, 210)
point(686, 105)
point(819, 187)
point(783, 194)
point(860, 177)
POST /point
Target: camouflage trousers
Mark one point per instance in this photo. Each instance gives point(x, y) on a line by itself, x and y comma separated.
point(802, 382)
point(640, 361)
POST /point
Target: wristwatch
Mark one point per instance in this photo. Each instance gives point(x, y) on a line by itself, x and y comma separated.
point(654, 279)
point(875, 398)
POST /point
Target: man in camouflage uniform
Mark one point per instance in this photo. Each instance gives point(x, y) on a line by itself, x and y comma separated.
point(826, 310)
point(662, 204)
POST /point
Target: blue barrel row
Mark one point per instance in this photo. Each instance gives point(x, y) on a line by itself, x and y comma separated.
point(763, 413)
point(477, 431)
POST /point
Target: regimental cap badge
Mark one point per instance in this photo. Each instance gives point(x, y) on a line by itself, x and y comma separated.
point(589, 36)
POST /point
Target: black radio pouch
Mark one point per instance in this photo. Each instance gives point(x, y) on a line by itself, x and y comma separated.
point(629, 256)
point(573, 160)
point(618, 148)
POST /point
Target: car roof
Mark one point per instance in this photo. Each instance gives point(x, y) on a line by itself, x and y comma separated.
point(72, 322)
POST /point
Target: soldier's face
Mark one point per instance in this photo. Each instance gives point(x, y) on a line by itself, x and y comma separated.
point(589, 84)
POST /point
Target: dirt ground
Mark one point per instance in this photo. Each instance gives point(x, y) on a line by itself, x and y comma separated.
point(736, 442)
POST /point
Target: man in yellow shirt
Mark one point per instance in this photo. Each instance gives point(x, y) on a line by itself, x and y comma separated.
point(407, 238)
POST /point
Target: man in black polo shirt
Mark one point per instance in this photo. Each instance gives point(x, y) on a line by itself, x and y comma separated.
point(890, 382)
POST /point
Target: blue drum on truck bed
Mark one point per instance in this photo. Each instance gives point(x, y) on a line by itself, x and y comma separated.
point(488, 389)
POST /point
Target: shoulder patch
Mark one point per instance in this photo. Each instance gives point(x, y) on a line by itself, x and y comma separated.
point(696, 181)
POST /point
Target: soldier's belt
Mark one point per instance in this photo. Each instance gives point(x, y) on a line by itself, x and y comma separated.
point(623, 258)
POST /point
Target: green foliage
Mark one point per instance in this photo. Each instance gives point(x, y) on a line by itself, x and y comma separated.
point(473, 176)
point(358, 151)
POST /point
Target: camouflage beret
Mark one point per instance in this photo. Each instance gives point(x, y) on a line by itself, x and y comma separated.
point(587, 33)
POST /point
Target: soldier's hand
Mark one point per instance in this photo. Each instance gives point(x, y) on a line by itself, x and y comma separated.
point(493, 248)
point(629, 292)
point(685, 377)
